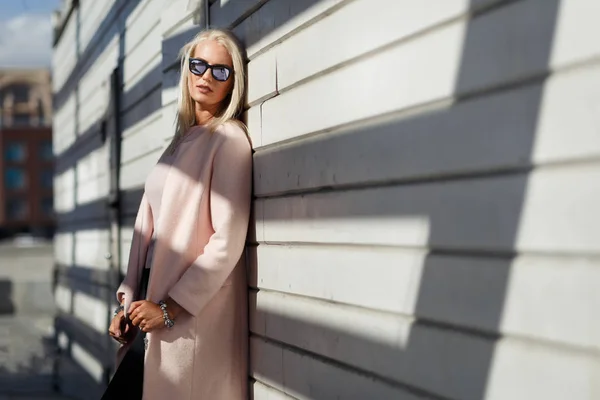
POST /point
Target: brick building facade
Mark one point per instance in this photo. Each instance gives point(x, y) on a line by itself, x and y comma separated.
point(26, 167)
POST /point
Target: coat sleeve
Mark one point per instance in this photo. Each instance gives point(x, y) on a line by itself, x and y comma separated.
point(230, 197)
point(142, 234)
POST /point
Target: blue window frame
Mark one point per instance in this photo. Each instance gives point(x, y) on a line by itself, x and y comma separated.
point(47, 179)
point(46, 153)
point(14, 178)
point(15, 152)
point(16, 209)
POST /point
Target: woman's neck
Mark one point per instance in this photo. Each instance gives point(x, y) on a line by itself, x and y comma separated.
point(204, 114)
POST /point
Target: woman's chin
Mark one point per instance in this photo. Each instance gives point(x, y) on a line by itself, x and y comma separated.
point(202, 98)
point(204, 101)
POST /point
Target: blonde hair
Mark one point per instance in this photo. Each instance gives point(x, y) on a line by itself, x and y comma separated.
point(232, 104)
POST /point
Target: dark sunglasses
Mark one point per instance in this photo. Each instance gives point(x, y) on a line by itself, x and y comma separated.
point(220, 72)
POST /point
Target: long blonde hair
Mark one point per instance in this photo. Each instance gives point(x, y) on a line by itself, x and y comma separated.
point(232, 104)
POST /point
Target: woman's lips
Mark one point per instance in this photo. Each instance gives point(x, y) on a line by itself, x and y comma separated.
point(203, 89)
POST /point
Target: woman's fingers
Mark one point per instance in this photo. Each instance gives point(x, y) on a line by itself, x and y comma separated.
point(116, 334)
point(134, 306)
point(114, 328)
point(137, 319)
point(135, 314)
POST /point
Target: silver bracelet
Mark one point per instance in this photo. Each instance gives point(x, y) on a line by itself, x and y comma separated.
point(118, 310)
point(168, 321)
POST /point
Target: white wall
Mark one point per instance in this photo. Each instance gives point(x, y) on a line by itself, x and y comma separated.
point(425, 182)
point(425, 222)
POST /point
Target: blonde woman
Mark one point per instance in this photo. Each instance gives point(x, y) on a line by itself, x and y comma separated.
point(183, 314)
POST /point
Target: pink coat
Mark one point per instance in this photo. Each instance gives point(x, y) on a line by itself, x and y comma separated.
point(201, 234)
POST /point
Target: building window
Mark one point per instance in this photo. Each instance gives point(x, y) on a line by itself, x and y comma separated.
point(47, 179)
point(16, 209)
point(20, 92)
point(21, 120)
point(15, 152)
point(14, 178)
point(48, 206)
point(46, 151)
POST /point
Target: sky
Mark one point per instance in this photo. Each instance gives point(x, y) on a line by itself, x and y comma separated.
point(26, 33)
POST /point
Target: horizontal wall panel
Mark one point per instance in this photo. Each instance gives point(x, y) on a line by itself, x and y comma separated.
point(93, 165)
point(134, 174)
point(125, 248)
point(64, 46)
point(63, 248)
point(91, 311)
point(142, 109)
point(390, 283)
point(143, 58)
point(173, 14)
point(93, 109)
point(64, 192)
point(261, 391)
point(93, 190)
point(64, 202)
point(512, 129)
point(98, 344)
point(95, 283)
point(91, 247)
point(538, 297)
point(63, 298)
point(86, 360)
point(63, 127)
point(140, 22)
point(170, 86)
point(177, 35)
point(64, 59)
point(142, 138)
point(143, 84)
point(167, 129)
point(225, 13)
point(551, 210)
point(262, 73)
point(65, 181)
point(445, 362)
point(276, 19)
point(93, 17)
point(98, 76)
point(66, 136)
point(304, 377)
point(524, 370)
point(65, 113)
point(252, 117)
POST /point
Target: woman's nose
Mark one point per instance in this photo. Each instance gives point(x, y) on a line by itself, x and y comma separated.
point(207, 76)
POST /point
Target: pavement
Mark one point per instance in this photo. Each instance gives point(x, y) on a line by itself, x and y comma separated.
point(27, 350)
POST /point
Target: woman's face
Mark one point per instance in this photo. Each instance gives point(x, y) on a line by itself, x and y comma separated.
point(207, 91)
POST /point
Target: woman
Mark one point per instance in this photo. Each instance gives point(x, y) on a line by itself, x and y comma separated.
point(189, 234)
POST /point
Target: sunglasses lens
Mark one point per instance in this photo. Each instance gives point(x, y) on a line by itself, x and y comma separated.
point(220, 73)
point(198, 67)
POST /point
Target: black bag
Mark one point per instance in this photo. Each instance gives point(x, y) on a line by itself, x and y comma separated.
point(128, 381)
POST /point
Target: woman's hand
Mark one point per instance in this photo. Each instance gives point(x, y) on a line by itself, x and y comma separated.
point(118, 329)
point(146, 315)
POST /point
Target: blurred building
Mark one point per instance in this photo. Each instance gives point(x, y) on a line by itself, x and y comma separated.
point(26, 163)
point(426, 221)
